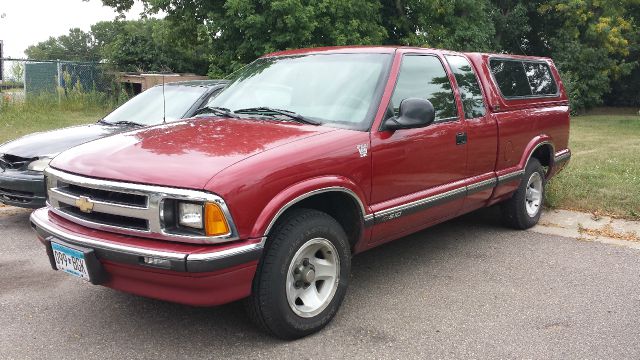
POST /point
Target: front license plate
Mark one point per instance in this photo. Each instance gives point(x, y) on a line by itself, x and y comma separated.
point(70, 261)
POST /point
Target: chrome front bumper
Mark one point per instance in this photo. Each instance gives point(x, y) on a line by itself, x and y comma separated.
point(133, 255)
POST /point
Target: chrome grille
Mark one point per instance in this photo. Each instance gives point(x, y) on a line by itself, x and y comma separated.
point(133, 200)
point(125, 208)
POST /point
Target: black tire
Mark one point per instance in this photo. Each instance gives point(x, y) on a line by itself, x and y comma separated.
point(268, 306)
point(514, 210)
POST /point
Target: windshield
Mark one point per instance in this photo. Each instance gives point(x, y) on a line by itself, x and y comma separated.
point(332, 89)
point(146, 108)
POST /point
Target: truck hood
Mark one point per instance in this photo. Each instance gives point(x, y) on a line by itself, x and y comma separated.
point(183, 154)
point(53, 142)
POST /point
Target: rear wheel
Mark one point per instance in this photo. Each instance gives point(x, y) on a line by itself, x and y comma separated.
point(303, 275)
point(524, 208)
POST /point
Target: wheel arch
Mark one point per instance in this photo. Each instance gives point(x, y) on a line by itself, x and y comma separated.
point(342, 200)
point(541, 148)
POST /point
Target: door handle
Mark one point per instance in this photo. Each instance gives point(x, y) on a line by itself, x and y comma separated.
point(461, 138)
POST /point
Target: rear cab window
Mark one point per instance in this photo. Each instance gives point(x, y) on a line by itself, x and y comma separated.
point(523, 78)
point(468, 85)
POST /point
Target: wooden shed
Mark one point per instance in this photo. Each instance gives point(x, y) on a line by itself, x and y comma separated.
point(136, 83)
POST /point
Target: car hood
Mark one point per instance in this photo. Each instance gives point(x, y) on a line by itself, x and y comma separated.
point(183, 154)
point(53, 142)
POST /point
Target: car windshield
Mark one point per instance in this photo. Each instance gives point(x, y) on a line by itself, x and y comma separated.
point(330, 89)
point(146, 108)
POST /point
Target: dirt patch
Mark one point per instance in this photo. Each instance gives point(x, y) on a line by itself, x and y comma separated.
point(549, 224)
point(10, 210)
point(610, 232)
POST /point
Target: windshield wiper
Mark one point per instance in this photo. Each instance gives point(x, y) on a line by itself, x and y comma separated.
point(121, 122)
point(216, 110)
point(290, 114)
point(125, 122)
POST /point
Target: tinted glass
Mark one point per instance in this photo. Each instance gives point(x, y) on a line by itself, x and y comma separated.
point(523, 78)
point(424, 77)
point(540, 79)
point(470, 92)
point(147, 108)
point(336, 89)
point(511, 78)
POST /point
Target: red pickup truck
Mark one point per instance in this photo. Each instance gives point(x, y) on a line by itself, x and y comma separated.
point(306, 158)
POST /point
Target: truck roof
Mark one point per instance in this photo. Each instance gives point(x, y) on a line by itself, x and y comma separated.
point(386, 50)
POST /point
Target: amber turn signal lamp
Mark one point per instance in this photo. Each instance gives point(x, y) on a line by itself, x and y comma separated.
point(215, 222)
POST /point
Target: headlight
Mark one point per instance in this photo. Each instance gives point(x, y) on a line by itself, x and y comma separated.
point(202, 218)
point(190, 215)
point(39, 165)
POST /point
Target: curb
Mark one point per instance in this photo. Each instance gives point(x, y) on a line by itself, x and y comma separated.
point(590, 227)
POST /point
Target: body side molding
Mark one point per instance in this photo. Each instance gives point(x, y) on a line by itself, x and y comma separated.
point(431, 201)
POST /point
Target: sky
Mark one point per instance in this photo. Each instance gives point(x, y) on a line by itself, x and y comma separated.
point(27, 22)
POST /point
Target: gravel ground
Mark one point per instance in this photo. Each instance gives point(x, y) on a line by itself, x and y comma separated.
point(464, 289)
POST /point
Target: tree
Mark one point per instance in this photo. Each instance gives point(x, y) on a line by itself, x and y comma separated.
point(147, 45)
point(238, 31)
point(76, 46)
point(463, 25)
point(625, 90)
point(17, 71)
point(512, 20)
point(591, 41)
point(142, 45)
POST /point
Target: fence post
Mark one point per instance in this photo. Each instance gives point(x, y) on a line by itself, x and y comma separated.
point(24, 80)
point(1, 64)
point(58, 83)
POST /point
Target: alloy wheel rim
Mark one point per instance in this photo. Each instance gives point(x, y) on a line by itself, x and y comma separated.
point(533, 195)
point(313, 277)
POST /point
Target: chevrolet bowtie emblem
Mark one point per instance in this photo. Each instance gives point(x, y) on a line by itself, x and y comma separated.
point(84, 204)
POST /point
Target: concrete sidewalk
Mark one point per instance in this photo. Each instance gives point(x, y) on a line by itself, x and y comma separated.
point(590, 227)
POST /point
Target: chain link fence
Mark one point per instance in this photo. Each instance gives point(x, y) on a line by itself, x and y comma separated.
point(23, 79)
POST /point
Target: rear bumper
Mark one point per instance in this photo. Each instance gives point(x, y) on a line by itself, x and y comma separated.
point(22, 189)
point(201, 275)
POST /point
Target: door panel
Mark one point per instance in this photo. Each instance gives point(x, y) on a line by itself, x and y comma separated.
point(417, 164)
point(482, 132)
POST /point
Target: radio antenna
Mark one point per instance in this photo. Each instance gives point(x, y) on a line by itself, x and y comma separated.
point(164, 103)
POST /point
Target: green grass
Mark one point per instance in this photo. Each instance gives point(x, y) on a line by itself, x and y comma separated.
point(604, 173)
point(18, 118)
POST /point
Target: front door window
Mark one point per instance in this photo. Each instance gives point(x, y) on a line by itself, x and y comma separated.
point(424, 77)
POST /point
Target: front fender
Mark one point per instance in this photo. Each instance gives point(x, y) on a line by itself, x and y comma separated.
point(302, 190)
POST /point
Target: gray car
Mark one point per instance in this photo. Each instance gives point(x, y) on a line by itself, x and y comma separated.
point(23, 160)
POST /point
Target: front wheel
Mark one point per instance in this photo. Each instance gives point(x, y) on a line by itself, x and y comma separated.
point(524, 208)
point(303, 275)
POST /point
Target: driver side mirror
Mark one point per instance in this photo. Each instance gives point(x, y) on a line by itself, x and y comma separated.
point(414, 113)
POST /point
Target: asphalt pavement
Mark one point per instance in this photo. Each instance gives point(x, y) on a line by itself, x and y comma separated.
point(468, 288)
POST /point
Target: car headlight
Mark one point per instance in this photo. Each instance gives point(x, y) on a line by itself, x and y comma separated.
point(204, 218)
point(39, 165)
point(190, 215)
